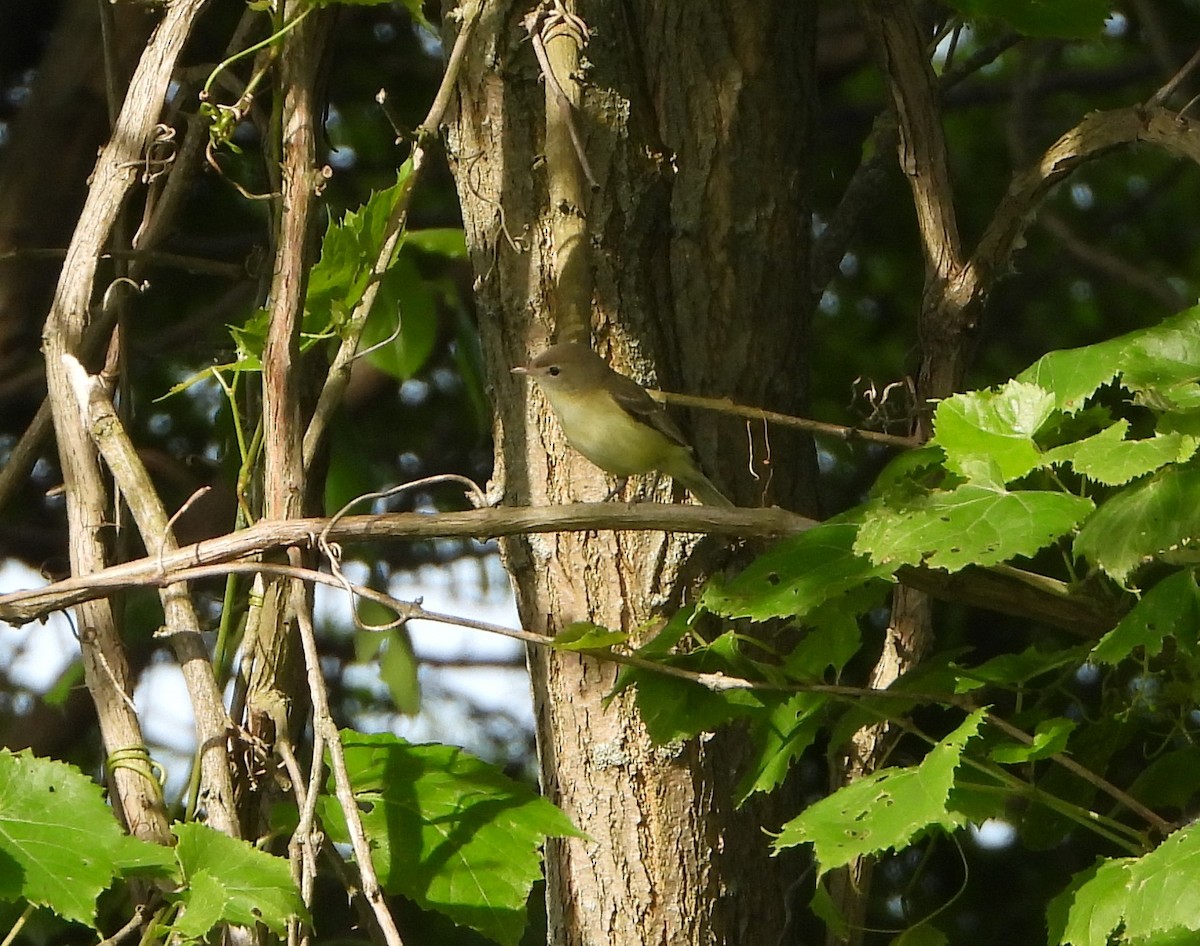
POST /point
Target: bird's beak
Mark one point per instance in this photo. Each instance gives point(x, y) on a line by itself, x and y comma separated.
point(520, 369)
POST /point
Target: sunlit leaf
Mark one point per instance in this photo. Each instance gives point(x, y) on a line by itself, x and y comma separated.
point(60, 845)
point(1170, 609)
point(997, 427)
point(797, 575)
point(1142, 898)
point(886, 810)
point(970, 525)
point(1108, 458)
point(231, 881)
point(1150, 518)
point(1049, 738)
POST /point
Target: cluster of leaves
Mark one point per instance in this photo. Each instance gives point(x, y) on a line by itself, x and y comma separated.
point(448, 831)
point(1082, 466)
point(1088, 453)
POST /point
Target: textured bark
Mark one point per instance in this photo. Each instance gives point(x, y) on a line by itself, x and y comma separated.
point(275, 669)
point(138, 795)
point(695, 117)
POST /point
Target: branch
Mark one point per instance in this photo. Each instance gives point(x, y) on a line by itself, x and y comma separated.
point(1003, 589)
point(1111, 266)
point(1098, 134)
point(325, 729)
point(715, 681)
point(559, 37)
point(139, 799)
point(182, 626)
point(723, 405)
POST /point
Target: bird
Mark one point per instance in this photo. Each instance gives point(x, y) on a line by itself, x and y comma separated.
point(613, 421)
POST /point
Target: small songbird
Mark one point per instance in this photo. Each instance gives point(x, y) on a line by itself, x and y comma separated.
point(612, 421)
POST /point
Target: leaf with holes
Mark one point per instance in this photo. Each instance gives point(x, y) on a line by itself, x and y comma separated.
point(886, 810)
point(970, 525)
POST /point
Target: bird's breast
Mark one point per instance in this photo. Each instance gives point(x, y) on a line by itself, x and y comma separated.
point(609, 436)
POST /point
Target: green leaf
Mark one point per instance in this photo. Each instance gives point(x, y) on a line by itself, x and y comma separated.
point(886, 810)
point(1147, 360)
point(1062, 18)
point(1089, 909)
point(1153, 517)
point(798, 575)
point(780, 736)
point(231, 881)
point(970, 525)
point(398, 669)
point(450, 242)
point(834, 637)
point(582, 635)
point(450, 832)
point(1169, 609)
point(781, 733)
point(673, 708)
point(402, 323)
point(1109, 458)
point(350, 251)
point(60, 845)
point(917, 469)
point(1142, 898)
point(983, 429)
point(1011, 670)
point(1050, 737)
point(1093, 747)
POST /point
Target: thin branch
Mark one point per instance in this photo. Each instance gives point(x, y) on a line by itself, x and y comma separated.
point(1161, 825)
point(848, 434)
point(138, 796)
point(555, 26)
point(1164, 93)
point(324, 725)
point(197, 265)
point(130, 927)
point(182, 624)
point(1112, 266)
point(1096, 135)
point(983, 56)
point(1003, 589)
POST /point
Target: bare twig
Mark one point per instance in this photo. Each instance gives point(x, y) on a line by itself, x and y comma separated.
point(323, 723)
point(557, 23)
point(558, 36)
point(1112, 266)
point(1096, 135)
point(848, 434)
point(1161, 825)
point(1164, 93)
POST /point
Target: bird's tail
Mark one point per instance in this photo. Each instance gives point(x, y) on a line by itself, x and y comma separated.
point(702, 487)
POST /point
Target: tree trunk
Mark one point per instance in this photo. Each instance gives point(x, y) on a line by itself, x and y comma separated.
point(694, 117)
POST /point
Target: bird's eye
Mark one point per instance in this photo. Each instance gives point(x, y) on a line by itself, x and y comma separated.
point(553, 371)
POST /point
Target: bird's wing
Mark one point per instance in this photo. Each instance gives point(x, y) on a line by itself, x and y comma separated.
point(632, 397)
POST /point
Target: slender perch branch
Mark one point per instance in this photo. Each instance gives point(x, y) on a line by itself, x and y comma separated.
point(1003, 589)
